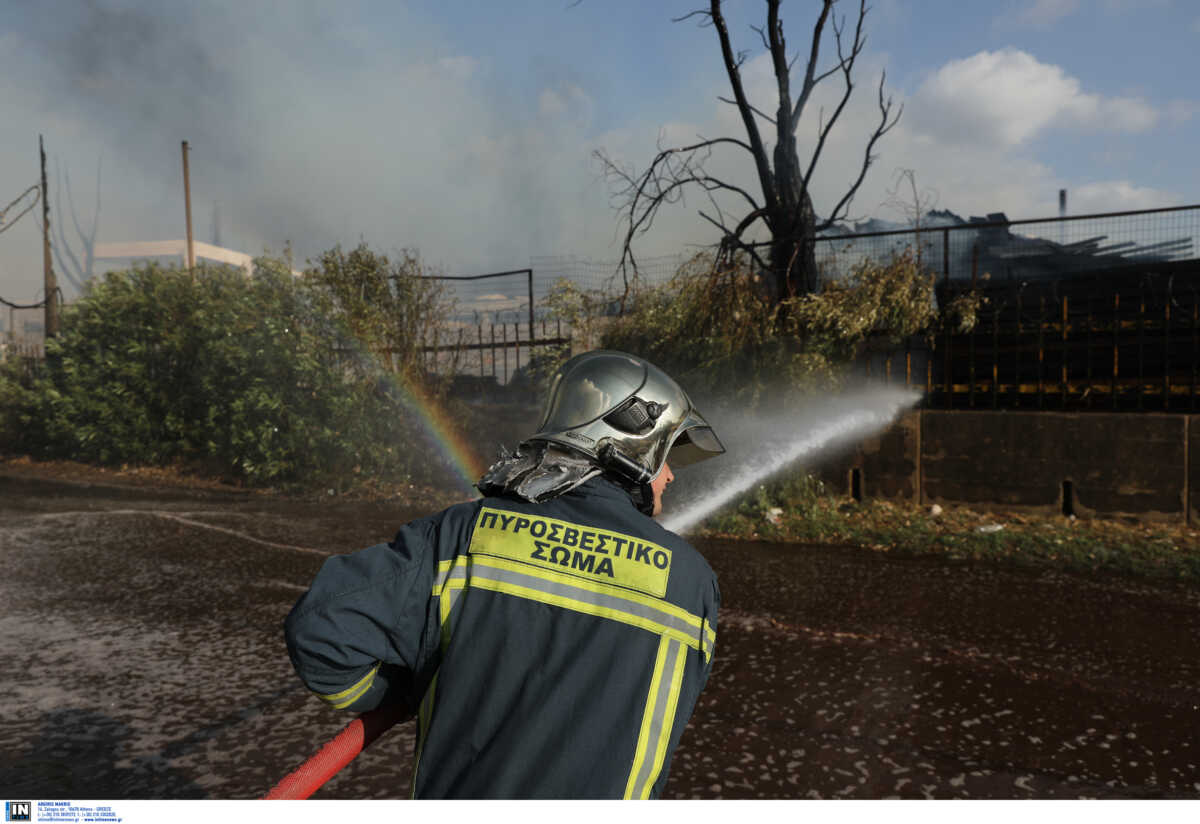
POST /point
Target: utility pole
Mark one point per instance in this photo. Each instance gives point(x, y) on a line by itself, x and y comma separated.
point(49, 283)
point(187, 205)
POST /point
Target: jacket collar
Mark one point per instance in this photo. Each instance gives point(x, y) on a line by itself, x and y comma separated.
point(602, 487)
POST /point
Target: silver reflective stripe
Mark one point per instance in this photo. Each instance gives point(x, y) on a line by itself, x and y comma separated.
point(457, 571)
point(662, 717)
point(439, 580)
point(602, 600)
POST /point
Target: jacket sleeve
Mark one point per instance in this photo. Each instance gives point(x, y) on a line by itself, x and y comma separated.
point(359, 636)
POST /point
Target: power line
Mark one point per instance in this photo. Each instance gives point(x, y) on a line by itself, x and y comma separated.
point(12, 305)
point(4, 211)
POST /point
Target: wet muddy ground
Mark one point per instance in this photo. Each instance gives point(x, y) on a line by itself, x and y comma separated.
point(141, 635)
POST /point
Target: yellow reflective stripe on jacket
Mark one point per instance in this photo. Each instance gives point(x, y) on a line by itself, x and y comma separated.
point(658, 719)
point(615, 603)
point(447, 587)
point(710, 639)
point(343, 699)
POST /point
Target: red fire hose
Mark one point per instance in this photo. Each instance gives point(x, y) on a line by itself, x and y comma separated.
point(340, 751)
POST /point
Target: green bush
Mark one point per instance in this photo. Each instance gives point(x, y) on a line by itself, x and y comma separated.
point(713, 327)
point(258, 379)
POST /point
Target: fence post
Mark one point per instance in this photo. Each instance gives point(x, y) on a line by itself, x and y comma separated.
point(1195, 341)
point(1017, 350)
point(995, 356)
point(1167, 350)
point(1065, 391)
point(529, 272)
point(1088, 388)
point(1041, 350)
point(1141, 384)
point(1116, 359)
point(946, 290)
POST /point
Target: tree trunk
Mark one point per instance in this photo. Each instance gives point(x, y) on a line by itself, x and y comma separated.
point(793, 244)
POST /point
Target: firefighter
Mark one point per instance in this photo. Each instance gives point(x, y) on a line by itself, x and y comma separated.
point(551, 638)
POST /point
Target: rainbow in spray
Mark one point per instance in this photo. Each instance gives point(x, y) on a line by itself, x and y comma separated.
point(441, 430)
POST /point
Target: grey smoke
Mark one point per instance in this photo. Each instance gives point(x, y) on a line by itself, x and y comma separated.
point(309, 122)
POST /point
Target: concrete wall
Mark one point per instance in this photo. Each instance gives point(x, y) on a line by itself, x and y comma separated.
point(887, 464)
point(1135, 464)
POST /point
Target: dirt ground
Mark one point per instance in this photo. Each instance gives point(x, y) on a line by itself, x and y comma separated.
point(145, 659)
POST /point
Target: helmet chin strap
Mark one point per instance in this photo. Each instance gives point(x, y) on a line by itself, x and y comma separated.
point(646, 504)
point(632, 474)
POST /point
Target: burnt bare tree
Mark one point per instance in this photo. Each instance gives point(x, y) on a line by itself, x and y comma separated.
point(783, 205)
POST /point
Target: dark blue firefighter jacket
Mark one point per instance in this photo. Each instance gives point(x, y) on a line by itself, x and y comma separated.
point(555, 650)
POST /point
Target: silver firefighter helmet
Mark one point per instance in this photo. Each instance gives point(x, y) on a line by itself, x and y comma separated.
point(626, 414)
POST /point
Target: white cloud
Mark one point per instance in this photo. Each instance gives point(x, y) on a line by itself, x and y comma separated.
point(970, 172)
point(1042, 14)
point(1008, 97)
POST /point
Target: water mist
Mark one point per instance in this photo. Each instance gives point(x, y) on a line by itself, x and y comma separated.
point(758, 446)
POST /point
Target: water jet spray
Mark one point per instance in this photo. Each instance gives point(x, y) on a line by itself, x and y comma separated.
point(768, 444)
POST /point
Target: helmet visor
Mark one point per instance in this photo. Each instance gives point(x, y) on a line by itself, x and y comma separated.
point(696, 441)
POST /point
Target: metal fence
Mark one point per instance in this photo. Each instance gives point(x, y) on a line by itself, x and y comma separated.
point(22, 349)
point(493, 324)
point(1115, 339)
point(500, 324)
point(603, 276)
point(999, 249)
point(487, 360)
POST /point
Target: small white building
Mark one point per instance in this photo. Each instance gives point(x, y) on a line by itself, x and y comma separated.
point(123, 255)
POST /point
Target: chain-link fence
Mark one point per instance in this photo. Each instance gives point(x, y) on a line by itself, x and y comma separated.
point(602, 276)
point(1023, 250)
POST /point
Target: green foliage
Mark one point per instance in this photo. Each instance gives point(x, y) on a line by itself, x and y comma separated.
point(256, 379)
point(800, 495)
point(891, 301)
point(581, 310)
point(714, 328)
point(390, 308)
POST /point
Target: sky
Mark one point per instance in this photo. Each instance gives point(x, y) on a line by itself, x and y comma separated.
point(466, 129)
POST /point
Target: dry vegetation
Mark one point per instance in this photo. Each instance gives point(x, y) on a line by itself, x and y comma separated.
point(798, 511)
